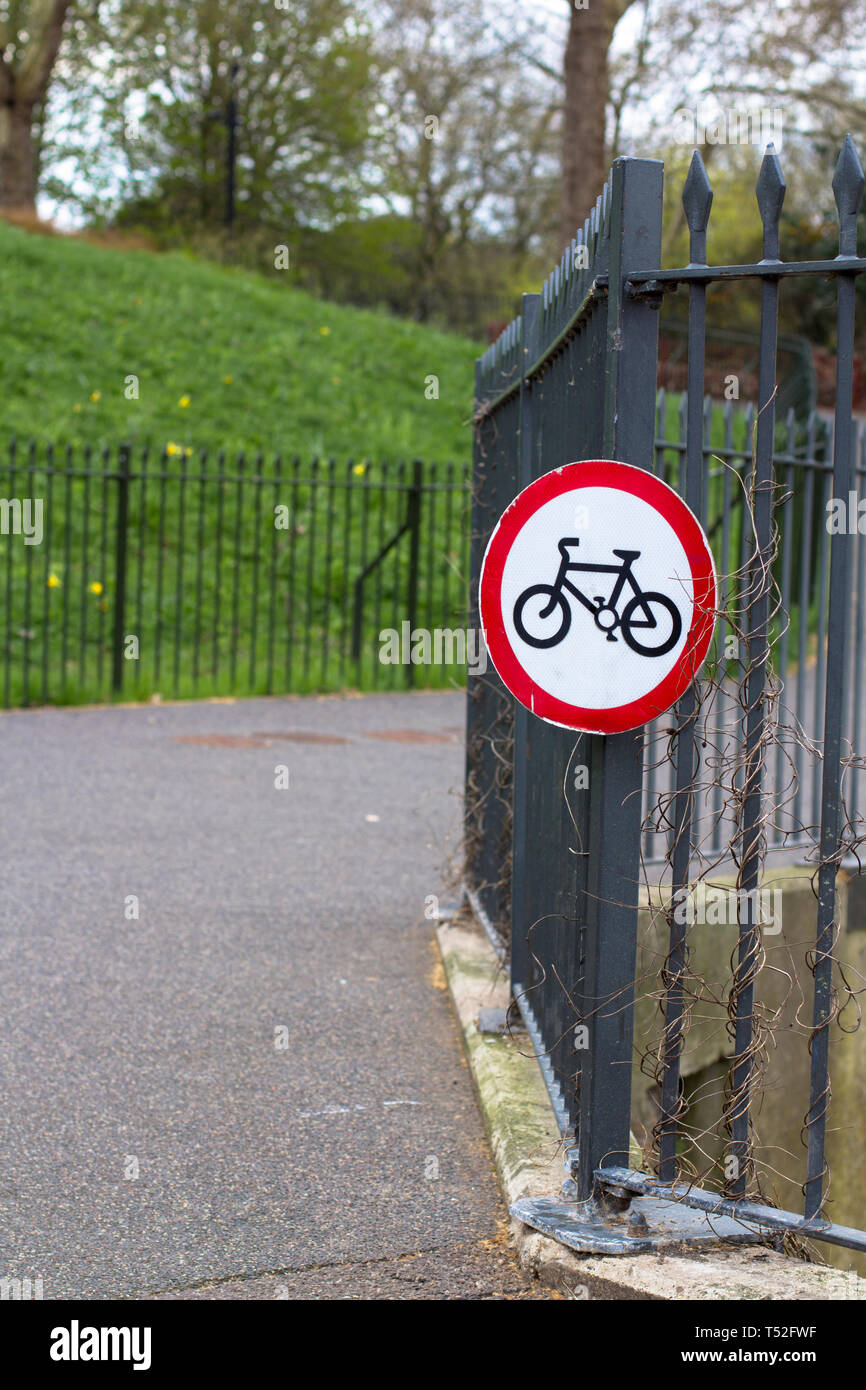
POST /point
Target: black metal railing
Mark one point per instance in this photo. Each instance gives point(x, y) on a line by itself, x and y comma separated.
point(199, 575)
point(558, 869)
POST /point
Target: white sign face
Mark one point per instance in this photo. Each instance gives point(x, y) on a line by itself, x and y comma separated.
point(598, 596)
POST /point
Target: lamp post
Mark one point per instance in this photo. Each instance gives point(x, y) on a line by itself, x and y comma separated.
point(230, 118)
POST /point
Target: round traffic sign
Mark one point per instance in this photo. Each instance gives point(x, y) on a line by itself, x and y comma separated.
point(598, 596)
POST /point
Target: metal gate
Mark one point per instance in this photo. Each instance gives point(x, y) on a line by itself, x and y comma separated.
point(557, 870)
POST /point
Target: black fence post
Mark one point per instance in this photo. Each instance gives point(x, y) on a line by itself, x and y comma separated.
point(616, 761)
point(521, 863)
point(413, 524)
point(121, 524)
point(489, 706)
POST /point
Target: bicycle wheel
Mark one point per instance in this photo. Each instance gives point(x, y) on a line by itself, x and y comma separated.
point(548, 638)
point(646, 601)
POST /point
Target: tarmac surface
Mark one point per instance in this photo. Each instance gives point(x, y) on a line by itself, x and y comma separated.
point(253, 1088)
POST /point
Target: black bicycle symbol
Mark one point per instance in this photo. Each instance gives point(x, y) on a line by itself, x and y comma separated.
point(606, 614)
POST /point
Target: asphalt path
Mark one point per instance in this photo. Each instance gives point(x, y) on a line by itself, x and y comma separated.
point(253, 1088)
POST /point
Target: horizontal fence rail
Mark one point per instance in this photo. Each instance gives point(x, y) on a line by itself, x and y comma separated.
point(762, 757)
point(189, 574)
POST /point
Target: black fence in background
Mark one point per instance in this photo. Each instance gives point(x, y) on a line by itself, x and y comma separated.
point(190, 575)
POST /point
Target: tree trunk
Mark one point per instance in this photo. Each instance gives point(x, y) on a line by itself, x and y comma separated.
point(17, 157)
point(584, 160)
point(24, 79)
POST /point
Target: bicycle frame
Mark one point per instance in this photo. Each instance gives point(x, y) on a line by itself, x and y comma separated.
point(624, 571)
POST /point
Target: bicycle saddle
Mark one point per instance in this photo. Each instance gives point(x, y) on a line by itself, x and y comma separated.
point(627, 554)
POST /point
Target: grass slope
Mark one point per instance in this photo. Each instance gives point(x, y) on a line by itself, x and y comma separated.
point(263, 366)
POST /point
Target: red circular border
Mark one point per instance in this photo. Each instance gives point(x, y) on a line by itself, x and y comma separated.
point(598, 473)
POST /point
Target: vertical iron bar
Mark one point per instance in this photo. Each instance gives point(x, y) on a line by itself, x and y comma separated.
point(616, 761)
point(848, 188)
point(290, 601)
point(528, 427)
point(240, 464)
point(825, 483)
point(786, 528)
point(362, 565)
point(697, 201)
point(413, 521)
point(328, 605)
point(770, 194)
point(46, 574)
point(218, 557)
point(103, 562)
point(85, 547)
point(803, 630)
point(67, 542)
point(860, 625)
point(272, 615)
point(142, 547)
point(28, 582)
point(181, 537)
point(347, 552)
point(199, 559)
point(120, 534)
point(311, 571)
point(160, 564)
point(383, 503)
point(258, 483)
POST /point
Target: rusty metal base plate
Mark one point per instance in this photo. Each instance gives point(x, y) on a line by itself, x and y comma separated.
point(650, 1224)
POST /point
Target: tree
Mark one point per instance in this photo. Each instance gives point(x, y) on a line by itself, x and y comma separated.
point(30, 36)
point(159, 69)
point(463, 147)
point(586, 93)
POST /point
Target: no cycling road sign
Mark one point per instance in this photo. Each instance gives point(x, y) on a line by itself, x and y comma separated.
point(597, 596)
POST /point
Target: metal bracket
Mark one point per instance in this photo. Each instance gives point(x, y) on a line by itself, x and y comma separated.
point(615, 1222)
point(651, 292)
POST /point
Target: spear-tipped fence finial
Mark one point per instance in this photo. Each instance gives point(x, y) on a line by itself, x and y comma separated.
point(697, 201)
point(848, 191)
point(770, 192)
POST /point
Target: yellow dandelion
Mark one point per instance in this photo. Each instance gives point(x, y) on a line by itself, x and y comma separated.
point(52, 581)
point(96, 395)
point(96, 587)
point(335, 380)
point(360, 469)
point(187, 453)
point(183, 402)
point(138, 304)
point(227, 380)
point(77, 409)
point(324, 332)
point(171, 449)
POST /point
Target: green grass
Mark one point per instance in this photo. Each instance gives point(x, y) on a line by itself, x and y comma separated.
point(221, 601)
point(307, 377)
